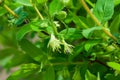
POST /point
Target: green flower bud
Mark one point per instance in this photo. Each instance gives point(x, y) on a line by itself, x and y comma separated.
point(61, 15)
point(54, 43)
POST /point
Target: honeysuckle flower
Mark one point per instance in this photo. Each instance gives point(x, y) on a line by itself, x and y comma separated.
point(67, 47)
point(54, 43)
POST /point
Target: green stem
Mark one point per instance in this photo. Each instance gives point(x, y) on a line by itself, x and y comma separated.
point(36, 9)
point(67, 63)
point(96, 20)
point(10, 11)
point(51, 20)
point(54, 28)
point(90, 3)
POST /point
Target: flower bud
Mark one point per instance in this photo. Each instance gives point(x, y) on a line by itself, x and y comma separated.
point(61, 15)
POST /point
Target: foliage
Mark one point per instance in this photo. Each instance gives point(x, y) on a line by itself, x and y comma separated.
point(60, 39)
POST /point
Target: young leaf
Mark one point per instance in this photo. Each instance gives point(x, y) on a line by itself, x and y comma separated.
point(25, 29)
point(24, 2)
point(71, 34)
point(21, 18)
point(66, 73)
point(98, 76)
point(87, 32)
point(76, 75)
point(114, 27)
point(89, 44)
point(55, 7)
point(90, 76)
point(104, 10)
point(114, 65)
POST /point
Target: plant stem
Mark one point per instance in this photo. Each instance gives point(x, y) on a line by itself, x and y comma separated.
point(90, 3)
point(102, 63)
point(51, 20)
point(10, 11)
point(90, 13)
point(67, 63)
point(38, 12)
point(78, 63)
point(96, 20)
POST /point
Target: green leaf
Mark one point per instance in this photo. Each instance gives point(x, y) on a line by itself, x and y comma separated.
point(18, 59)
point(60, 76)
point(76, 75)
point(2, 11)
point(79, 21)
point(24, 72)
point(104, 10)
point(98, 76)
point(116, 2)
point(66, 73)
point(21, 18)
point(55, 7)
point(90, 76)
point(42, 1)
point(24, 29)
point(87, 32)
point(18, 10)
point(77, 50)
point(114, 65)
point(114, 26)
point(24, 2)
point(71, 34)
point(112, 77)
point(90, 43)
point(30, 49)
point(49, 74)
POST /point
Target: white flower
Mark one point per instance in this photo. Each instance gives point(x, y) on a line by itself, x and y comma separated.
point(54, 43)
point(67, 47)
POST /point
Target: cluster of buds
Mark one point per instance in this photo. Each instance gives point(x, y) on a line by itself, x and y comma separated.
point(55, 44)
